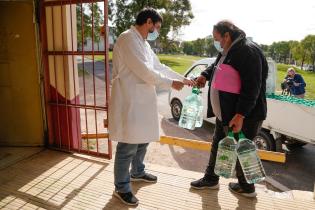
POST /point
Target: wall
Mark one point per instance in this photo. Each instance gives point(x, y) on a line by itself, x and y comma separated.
point(20, 101)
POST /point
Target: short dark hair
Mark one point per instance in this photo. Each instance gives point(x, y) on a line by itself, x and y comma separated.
point(146, 13)
point(227, 26)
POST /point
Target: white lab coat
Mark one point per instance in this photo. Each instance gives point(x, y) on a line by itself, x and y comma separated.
point(133, 115)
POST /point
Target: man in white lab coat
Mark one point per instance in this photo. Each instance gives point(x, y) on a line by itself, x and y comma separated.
point(133, 115)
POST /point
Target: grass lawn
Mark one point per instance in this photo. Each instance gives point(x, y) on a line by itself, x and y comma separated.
point(100, 57)
point(309, 78)
point(179, 63)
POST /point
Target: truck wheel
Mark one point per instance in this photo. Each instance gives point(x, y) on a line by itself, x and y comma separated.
point(176, 109)
point(265, 141)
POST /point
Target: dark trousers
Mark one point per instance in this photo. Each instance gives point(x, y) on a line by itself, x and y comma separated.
point(250, 129)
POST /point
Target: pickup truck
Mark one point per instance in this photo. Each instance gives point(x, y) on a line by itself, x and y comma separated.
point(288, 123)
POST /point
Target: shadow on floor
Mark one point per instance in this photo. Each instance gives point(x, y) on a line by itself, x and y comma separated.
point(37, 180)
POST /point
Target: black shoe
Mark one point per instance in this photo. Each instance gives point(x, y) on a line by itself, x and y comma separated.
point(145, 178)
point(203, 183)
point(236, 188)
point(127, 198)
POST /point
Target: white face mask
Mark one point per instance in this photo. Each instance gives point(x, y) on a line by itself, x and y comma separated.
point(153, 36)
point(217, 45)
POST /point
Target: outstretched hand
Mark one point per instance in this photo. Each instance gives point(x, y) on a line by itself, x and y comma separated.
point(177, 85)
point(189, 82)
point(201, 81)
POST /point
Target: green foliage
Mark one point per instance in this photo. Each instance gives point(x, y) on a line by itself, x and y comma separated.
point(175, 15)
point(297, 51)
point(97, 20)
point(200, 47)
point(280, 51)
point(265, 48)
point(172, 47)
point(289, 51)
point(188, 48)
point(90, 25)
point(81, 14)
point(211, 51)
point(308, 44)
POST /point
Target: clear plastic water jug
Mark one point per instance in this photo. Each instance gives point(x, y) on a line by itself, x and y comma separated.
point(249, 160)
point(226, 156)
point(199, 120)
point(191, 116)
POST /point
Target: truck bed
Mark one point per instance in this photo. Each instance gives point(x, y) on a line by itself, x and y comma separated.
point(294, 120)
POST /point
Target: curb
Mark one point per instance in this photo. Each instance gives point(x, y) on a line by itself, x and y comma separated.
point(276, 184)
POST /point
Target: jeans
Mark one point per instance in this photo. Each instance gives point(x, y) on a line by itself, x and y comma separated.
point(127, 154)
point(250, 129)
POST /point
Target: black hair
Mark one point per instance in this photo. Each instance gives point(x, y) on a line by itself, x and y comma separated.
point(146, 13)
point(227, 26)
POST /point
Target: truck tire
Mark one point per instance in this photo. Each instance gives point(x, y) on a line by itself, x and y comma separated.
point(176, 109)
point(265, 141)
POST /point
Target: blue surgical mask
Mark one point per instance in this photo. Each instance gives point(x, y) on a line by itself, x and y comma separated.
point(153, 36)
point(217, 46)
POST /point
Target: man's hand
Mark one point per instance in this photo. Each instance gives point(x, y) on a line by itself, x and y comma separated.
point(236, 123)
point(201, 81)
point(189, 82)
point(177, 85)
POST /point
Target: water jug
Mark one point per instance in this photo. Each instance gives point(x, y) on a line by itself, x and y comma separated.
point(249, 160)
point(190, 115)
point(199, 120)
point(226, 156)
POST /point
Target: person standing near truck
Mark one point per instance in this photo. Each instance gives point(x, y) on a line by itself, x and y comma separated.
point(243, 111)
point(133, 114)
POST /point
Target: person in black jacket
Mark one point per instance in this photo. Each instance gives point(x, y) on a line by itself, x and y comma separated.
point(243, 111)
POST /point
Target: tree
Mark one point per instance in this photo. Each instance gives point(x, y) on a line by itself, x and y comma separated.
point(211, 51)
point(86, 25)
point(188, 47)
point(97, 20)
point(280, 51)
point(175, 15)
point(308, 44)
point(265, 49)
point(297, 51)
point(199, 47)
point(292, 45)
point(111, 9)
point(172, 47)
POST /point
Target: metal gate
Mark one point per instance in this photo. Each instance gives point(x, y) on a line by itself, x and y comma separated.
point(74, 39)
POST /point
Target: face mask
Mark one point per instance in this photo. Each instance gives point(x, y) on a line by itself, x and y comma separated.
point(153, 36)
point(217, 46)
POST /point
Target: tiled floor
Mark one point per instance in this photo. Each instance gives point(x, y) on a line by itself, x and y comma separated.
point(56, 180)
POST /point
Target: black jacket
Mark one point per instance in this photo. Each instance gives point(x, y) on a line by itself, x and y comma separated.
point(248, 59)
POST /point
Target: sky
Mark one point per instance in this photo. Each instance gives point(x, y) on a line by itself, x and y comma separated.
point(266, 21)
